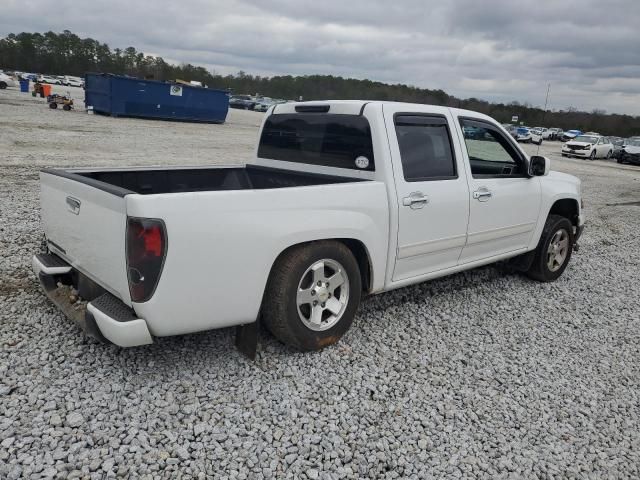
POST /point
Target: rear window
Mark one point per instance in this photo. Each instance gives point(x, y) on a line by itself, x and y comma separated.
point(425, 148)
point(342, 141)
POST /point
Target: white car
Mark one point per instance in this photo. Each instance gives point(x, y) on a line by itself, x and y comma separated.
point(7, 81)
point(545, 133)
point(588, 146)
point(72, 81)
point(49, 79)
point(263, 104)
point(536, 136)
point(523, 134)
point(343, 199)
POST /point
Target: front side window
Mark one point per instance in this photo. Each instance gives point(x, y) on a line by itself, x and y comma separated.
point(425, 148)
point(329, 140)
point(491, 154)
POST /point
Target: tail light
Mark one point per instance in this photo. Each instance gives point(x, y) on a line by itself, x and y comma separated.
point(146, 251)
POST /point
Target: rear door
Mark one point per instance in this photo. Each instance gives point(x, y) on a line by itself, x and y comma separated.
point(86, 226)
point(431, 189)
point(504, 201)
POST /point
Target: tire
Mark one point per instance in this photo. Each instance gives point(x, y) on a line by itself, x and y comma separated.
point(53, 105)
point(593, 155)
point(3, 85)
point(291, 320)
point(540, 269)
point(609, 153)
point(620, 161)
point(66, 108)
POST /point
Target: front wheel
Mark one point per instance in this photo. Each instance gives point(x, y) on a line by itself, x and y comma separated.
point(312, 296)
point(593, 155)
point(554, 250)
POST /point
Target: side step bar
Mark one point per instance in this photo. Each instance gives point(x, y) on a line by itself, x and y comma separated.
point(50, 264)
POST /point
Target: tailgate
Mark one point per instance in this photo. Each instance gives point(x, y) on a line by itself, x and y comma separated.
point(85, 225)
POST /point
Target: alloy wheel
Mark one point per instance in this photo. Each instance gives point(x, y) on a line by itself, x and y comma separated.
point(323, 295)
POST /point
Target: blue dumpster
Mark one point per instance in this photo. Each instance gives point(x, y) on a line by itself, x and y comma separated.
point(132, 97)
point(24, 85)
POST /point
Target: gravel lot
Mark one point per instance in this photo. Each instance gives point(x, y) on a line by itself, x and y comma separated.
point(484, 374)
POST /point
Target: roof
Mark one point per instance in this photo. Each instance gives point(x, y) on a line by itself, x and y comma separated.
point(356, 107)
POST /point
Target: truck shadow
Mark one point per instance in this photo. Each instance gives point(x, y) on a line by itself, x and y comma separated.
point(216, 349)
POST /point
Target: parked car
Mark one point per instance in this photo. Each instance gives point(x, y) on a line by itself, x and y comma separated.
point(28, 76)
point(547, 134)
point(70, 81)
point(556, 133)
point(618, 144)
point(570, 135)
point(523, 134)
point(343, 199)
point(7, 81)
point(536, 136)
point(49, 79)
point(630, 153)
point(588, 146)
point(245, 102)
point(263, 104)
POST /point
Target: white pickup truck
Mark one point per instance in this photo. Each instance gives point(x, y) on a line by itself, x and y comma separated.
point(342, 199)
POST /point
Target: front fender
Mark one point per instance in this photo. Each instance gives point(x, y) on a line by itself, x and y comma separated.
point(556, 186)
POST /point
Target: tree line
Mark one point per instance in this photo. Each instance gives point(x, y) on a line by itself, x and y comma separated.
point(67, 54)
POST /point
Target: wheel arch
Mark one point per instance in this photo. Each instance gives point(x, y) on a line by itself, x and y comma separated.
point(357, 248)
point(566, 207)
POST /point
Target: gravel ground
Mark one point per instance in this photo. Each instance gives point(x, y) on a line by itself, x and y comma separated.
point(483, 374)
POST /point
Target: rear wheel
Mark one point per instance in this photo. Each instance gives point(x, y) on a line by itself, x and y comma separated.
point(554, 250)
point(66, 107)
point(3, 85)
point(53, 105)
point(609, 153)
point(312, 295)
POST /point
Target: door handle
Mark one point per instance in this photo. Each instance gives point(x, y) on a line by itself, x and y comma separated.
point(415, 200)
point(482, 195)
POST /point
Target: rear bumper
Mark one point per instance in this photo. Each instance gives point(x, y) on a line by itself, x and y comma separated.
point(105, 317)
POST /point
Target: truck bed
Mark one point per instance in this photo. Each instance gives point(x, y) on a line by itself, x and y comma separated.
point(148, 181)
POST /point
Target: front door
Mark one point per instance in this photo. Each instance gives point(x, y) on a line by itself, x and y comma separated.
point(504, 201)
point(432, 191)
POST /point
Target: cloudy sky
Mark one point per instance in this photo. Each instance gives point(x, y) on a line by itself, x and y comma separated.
point(498, 50)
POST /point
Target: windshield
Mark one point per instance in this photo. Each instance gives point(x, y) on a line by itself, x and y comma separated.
point(635, 142)
point(586, 139)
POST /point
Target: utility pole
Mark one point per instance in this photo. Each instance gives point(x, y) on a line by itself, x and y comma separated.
point(544, 114)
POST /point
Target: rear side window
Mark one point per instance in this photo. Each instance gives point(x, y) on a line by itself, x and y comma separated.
point(342, 141)
point(425, 148)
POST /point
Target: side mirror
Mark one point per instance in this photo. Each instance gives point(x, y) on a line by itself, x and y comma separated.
point(539, 166)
